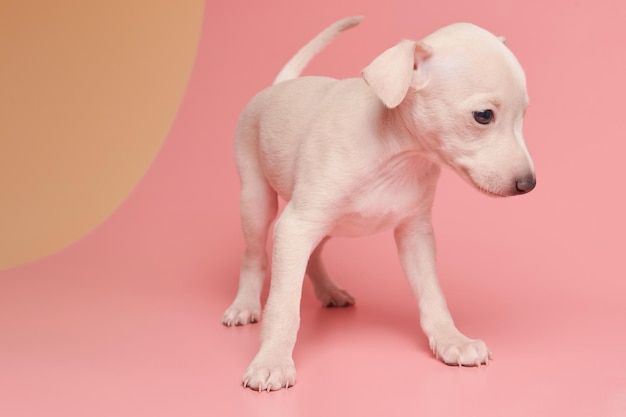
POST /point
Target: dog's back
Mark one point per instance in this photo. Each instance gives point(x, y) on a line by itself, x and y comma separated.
point(324, 115)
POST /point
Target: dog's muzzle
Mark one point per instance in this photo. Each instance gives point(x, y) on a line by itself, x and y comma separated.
point(526, 184)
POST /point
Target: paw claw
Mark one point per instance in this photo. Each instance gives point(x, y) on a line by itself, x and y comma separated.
point(270, 374)
point(334, 297)
point(454, 348)
point(240, 314)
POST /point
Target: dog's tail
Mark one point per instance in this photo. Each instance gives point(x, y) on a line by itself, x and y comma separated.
point(294, 67)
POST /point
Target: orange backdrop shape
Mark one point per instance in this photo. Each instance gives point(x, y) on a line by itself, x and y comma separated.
point(89, 90)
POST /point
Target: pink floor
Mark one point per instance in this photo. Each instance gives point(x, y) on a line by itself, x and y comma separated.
point(126, 322)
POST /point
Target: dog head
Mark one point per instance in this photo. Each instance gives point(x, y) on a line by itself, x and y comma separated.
point(462, 94)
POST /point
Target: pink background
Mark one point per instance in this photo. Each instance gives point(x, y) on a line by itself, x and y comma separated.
point(126, 321)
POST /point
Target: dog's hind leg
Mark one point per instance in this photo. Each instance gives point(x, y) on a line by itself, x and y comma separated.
point(259, 205)
point(325, 289)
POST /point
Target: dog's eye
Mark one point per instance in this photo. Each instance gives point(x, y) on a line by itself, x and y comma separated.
point(484, 117)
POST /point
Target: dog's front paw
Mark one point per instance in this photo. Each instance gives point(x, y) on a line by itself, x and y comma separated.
point(454, 348)
point(242, 313)
point(270, 374)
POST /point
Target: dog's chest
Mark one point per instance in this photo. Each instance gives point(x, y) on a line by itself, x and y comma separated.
point(387, 197)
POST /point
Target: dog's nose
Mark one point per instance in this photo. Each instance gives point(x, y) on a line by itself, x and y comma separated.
point(526, 184)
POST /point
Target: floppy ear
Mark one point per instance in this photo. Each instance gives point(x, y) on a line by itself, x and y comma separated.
point(392, 73)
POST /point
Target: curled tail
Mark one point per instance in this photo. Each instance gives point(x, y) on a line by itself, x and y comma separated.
point(299, 61)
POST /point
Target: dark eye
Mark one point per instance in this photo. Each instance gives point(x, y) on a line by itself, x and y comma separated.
point(484, 117)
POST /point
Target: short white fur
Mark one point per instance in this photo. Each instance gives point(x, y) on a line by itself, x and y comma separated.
point(358, 156)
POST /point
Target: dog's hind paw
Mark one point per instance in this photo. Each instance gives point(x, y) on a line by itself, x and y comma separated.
point(268, 376)
point(454, 348)
point(332, 296)
point(239, 314)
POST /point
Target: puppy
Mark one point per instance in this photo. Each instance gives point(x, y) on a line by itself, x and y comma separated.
point(358, 156)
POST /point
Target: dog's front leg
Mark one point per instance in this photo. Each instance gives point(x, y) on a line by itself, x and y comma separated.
point(294, 239)
point(416, 248)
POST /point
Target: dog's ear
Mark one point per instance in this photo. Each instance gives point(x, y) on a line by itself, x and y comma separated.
point(392, 73)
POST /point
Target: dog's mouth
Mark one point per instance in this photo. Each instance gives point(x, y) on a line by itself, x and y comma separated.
point(489, 192)
point(465, 174)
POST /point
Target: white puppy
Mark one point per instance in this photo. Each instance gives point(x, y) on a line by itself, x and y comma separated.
point(358, 156)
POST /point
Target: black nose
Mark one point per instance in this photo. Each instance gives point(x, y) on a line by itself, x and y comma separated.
point(526, 184)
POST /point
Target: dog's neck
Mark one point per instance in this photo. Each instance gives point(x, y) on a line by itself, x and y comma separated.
point(400, 132)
